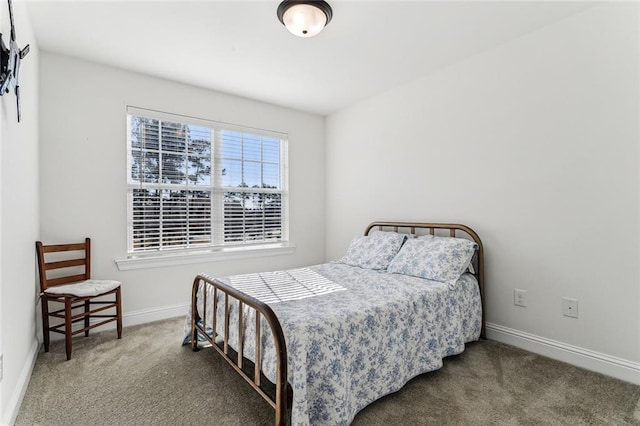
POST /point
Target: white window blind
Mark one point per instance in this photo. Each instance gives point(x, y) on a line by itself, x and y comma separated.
point(195, 183)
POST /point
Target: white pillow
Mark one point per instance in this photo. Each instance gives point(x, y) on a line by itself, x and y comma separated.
point(374, 251)
point(442, 259)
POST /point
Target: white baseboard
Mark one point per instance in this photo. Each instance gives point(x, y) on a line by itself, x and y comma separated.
point(155, 314)
point(142, 316)
point(619, 368)
point(15, 402)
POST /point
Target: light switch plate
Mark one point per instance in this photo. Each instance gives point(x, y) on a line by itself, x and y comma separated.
point(570, 307)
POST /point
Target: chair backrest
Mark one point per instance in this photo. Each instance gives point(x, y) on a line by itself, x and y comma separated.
point(68, 263)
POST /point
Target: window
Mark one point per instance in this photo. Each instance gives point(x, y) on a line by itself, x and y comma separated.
point(195, 184)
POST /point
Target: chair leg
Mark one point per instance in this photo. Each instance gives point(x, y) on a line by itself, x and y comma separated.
point(67, 326)
point(119, 312)
point(87, 317)
point(45, 321)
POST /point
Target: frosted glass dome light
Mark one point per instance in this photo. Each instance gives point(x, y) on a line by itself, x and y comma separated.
point(304, 18)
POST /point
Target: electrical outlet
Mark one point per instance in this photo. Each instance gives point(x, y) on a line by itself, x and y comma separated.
point(570, 307)
point(520, 298)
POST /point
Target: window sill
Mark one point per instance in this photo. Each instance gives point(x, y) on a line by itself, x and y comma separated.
point(213, 255)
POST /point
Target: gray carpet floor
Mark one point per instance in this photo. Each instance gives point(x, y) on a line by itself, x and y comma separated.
point(148, 378)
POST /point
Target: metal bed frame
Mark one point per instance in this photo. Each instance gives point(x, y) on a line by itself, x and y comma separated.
point(235, 356)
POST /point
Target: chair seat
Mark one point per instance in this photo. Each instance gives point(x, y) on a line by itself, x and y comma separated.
point(85, 288)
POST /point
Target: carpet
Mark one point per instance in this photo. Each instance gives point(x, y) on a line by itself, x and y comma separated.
point(148, 378)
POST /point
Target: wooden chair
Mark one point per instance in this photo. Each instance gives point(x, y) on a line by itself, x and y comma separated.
point(65, 278)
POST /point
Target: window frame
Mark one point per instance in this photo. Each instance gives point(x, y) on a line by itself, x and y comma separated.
point(217, 249)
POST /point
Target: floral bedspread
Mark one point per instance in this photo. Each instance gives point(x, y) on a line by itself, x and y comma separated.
point(353, 335)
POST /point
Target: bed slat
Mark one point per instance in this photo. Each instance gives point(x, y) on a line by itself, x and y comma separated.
point(240, 333)
point(204, 313)
point(258, 363)
point(226, 324)
point(214, 321)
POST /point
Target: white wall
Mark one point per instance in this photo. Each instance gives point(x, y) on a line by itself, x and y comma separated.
point(534, 144)
point(83, 173)
point(19, 212)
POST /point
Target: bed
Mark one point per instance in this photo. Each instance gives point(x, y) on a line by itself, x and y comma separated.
point(322, 342)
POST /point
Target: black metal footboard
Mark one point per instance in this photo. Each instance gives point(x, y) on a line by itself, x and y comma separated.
point(235, 356)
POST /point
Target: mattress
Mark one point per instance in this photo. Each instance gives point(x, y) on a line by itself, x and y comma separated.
point(353, 335)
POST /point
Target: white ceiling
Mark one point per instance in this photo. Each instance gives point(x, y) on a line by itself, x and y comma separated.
point(240, 47)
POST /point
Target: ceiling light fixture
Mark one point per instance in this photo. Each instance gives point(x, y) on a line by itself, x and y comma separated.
point(304, 18)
